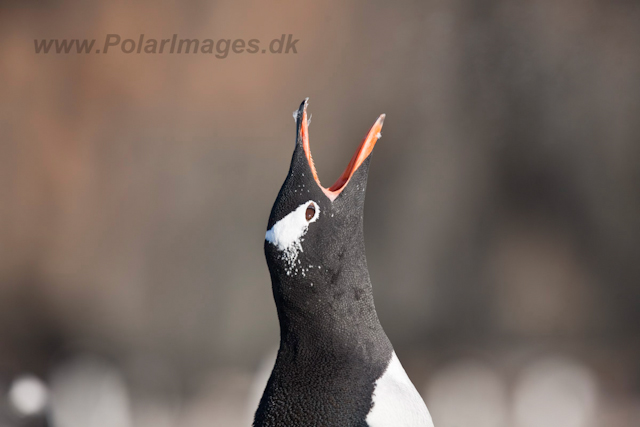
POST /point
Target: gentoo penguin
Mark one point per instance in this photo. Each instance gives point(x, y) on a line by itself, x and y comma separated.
point(335, 365)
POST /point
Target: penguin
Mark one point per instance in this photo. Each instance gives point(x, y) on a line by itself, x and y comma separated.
point(335, 366)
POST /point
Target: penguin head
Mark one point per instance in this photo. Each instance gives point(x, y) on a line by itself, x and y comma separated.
point(314, 243)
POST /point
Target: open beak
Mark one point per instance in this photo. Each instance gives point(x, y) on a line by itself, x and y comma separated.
point(360, 156)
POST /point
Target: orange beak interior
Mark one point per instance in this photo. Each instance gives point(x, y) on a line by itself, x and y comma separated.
point(361, 154)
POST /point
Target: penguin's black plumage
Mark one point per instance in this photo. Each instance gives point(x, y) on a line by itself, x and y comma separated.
point(333, 351)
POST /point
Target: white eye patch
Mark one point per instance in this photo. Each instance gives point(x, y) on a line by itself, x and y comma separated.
point(287, 233)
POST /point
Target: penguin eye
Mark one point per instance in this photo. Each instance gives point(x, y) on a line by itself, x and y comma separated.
point(310, 212)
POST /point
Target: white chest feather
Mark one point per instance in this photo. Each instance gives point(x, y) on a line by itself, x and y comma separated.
point(396, 402)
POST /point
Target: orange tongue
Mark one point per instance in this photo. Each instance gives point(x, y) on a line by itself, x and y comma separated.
point(363, 152)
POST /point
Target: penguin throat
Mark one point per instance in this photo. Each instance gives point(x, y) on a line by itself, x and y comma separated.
point(366, 146)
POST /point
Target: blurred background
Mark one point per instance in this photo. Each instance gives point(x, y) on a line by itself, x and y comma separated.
point(502, 220)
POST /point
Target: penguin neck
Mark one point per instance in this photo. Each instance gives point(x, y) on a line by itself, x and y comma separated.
point(336, 316)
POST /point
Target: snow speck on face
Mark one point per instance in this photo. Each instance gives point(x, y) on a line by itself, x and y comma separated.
point(287, 234)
